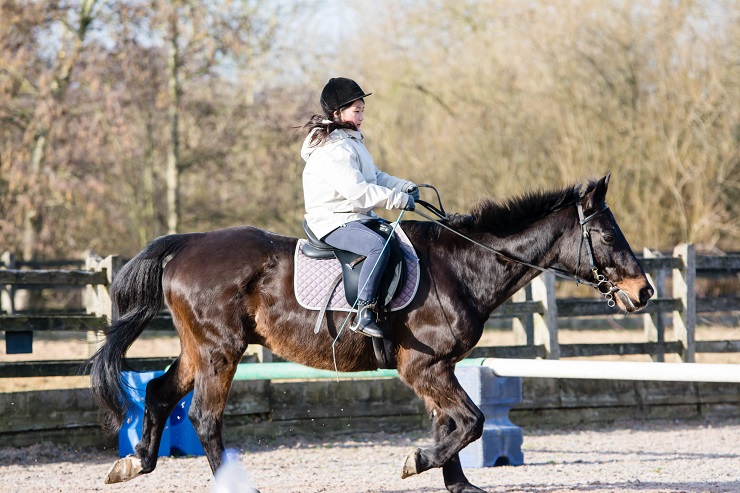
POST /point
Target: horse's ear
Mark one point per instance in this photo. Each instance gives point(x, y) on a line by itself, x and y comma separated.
point(598, 194)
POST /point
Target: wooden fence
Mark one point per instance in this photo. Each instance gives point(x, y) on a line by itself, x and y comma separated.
point(534, 311)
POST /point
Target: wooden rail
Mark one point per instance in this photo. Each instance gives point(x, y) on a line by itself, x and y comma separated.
point(534, 312)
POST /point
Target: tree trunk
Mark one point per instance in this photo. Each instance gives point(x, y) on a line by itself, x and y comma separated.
point(173, 149)
point(33, 220)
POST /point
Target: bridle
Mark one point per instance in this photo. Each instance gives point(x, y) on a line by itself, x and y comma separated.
point(602, 284)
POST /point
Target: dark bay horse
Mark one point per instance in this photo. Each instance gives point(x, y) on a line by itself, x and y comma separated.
point(230, 288)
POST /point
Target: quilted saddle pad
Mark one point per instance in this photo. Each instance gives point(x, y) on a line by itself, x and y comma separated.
point(313, 278)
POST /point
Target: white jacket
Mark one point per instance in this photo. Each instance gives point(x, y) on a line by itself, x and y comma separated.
point(342, 184)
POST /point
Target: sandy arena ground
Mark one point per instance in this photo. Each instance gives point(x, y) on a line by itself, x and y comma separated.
point(648, 457)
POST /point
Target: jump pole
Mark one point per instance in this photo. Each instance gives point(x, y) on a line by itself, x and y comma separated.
point(495, 385)
point(614, 370)
point(294, 371)
point(528, 368)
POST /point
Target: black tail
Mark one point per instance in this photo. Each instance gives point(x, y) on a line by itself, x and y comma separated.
point(137, 294)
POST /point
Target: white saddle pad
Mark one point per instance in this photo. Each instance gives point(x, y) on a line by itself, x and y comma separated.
point(313, 277)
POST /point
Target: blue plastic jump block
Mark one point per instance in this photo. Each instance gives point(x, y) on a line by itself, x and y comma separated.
point(134, 383)
point(183, 438)
point(501, 442)
point(179, 437)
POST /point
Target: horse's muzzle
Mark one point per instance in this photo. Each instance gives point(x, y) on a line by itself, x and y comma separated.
point(633, 294)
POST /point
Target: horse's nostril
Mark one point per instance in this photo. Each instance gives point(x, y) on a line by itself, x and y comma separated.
point(646, 293)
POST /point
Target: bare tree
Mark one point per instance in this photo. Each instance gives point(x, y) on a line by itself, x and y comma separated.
point(500, 97)
point(48, 89)
point(475, 97)
point(200, 37)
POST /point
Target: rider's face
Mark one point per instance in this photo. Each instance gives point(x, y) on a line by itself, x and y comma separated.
point(354, 113)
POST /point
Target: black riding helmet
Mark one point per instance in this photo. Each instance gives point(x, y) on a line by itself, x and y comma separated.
point(340, 92)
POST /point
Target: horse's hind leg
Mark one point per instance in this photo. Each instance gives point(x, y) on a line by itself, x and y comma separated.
point(162, 394)
point(212, 385)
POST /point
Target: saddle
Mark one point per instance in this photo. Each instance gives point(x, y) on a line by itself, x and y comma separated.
point(351, 264)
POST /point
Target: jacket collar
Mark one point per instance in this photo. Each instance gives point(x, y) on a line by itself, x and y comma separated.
point(352, 134)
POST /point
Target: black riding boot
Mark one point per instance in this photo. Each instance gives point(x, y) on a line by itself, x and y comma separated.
point(365, 320)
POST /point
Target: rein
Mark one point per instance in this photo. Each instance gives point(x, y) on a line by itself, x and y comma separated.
point(602, 284)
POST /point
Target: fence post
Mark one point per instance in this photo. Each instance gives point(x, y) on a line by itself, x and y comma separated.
point(97, 298)
point(546, 325)
point(523, 326)
point(16, 342)
point(7, 291)
point(654, 323)
point(261, 353)
point(684, 279)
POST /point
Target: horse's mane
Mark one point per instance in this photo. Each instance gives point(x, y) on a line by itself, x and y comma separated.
point(515, 214)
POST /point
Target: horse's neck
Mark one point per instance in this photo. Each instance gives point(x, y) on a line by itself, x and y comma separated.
point(496, 279)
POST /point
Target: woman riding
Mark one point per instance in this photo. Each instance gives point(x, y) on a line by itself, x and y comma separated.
point(342, 186)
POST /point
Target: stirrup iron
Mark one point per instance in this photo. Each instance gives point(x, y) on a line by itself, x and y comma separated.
point(365, 320)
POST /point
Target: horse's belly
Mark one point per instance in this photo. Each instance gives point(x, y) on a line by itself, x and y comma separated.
point(290, 335)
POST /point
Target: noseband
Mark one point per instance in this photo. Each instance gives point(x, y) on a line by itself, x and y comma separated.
point(602, 284)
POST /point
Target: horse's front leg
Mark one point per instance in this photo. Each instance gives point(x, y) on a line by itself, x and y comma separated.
point(455, 479)
point(457, 421)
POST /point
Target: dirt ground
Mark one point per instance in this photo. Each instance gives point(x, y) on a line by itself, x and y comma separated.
point(647, 457)
point(631, 456)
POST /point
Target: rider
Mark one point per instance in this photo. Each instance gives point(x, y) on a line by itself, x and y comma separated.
point(342, 185)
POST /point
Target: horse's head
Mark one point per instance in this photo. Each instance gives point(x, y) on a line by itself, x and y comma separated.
point(602, 254)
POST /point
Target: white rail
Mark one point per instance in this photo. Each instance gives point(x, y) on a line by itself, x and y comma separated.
point(615, 370)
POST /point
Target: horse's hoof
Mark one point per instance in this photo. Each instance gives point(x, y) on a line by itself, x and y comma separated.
point(411, 466)
point(464, 488)
point(124, 469)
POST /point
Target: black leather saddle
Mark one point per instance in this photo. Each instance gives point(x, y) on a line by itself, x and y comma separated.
point(393, 276)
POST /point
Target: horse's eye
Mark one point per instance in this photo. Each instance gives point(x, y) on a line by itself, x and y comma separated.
point(608, 237)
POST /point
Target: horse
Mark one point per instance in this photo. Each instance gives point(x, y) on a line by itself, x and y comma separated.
point(229, 288)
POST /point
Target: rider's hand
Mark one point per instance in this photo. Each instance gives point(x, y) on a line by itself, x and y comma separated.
point(414, 192)
point(409, 204)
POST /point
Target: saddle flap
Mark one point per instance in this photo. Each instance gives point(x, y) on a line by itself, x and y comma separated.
point(351, 267)
point(393, 275)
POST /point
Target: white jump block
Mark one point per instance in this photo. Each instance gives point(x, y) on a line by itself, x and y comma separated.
point(501, 442)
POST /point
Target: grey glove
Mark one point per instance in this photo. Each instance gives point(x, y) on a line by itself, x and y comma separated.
point(414, 192)
point(409, 204)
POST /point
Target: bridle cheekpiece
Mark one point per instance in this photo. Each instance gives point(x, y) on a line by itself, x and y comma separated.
point(604, 285)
